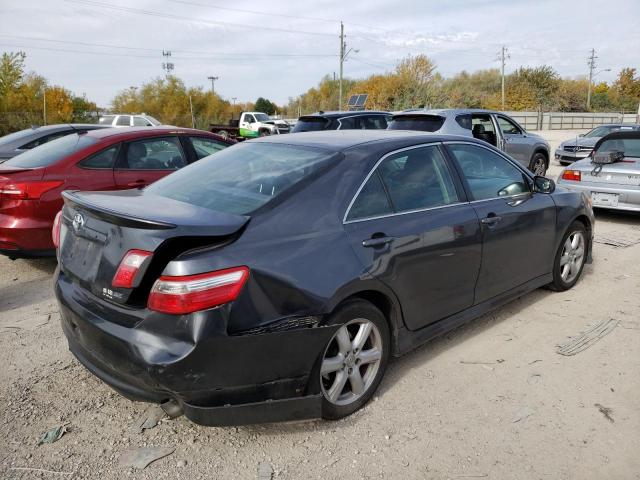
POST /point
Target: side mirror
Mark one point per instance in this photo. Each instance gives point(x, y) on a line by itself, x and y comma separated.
point(543, 184)
point(581, 135)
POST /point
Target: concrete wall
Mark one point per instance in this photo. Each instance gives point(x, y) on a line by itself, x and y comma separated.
point(569, 121)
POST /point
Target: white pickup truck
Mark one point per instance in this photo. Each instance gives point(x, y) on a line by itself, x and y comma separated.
point(250, 125)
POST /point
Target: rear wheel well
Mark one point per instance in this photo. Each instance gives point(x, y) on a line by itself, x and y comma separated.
point(381, 302)
point(588, 227)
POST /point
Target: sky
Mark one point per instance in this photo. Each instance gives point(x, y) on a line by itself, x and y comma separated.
point(279, 49)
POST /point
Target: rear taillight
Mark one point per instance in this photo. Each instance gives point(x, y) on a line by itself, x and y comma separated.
point(188, 294)
point(129, 267)
point(55, 231)
point(573, 175)
point(28, 190)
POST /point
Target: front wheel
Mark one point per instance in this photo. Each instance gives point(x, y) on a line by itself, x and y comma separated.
point(538, 164)
point(570, 258)
point(354, 360)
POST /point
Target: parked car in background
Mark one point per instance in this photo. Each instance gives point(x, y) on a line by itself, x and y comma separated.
point(24, 140)
point(357, 120)
point(495, 128)
point(582, 145)
point(613, 185)
point(250, 125)
point(107, 159)
point(217, 291)
point(129, 120)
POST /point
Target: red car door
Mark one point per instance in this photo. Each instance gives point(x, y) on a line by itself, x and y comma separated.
point(142, 162)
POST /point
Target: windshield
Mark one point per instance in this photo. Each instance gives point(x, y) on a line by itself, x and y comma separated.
point(601, 131)
point(17, 136)
point(261, 117)
point(630, 146)
point(50, 152)
point(310, 124)
point(242, 178)
point(423, 123)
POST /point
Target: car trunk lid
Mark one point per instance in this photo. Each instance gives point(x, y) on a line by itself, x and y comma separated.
point(99, 228)
point(625, 172)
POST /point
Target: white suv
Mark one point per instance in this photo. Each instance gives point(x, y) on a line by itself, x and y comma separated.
point(127, 120)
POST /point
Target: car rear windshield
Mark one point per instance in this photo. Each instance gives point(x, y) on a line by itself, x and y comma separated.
point(16, 136)
point(630, 146)
point(310, 124)
point(51, 152)
point(242, 178)
point(423, 123)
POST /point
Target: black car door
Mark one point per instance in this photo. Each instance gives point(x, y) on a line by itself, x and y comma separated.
point(518, 225)
point(412, 228)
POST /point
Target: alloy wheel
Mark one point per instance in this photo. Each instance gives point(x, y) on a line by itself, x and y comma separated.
point(572, 256)
point(351, 362)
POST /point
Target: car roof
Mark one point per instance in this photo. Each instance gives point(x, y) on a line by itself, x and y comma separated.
point(345, 113)
point(443, 111)
point(339, 140)
point(142, 131)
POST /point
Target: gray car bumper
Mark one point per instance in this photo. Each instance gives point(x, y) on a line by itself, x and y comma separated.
point(628, 198)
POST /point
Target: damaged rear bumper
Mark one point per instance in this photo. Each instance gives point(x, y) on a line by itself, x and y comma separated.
point(215, 379)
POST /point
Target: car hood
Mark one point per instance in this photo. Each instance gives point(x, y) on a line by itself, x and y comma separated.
point(580, 142)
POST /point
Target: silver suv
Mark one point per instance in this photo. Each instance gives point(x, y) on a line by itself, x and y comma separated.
point(128, 120)
point(498, 129)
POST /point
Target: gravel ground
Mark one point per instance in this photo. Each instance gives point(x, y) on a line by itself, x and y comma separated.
point(491, 399)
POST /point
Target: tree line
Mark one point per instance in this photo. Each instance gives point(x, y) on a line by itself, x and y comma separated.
point(414, 82)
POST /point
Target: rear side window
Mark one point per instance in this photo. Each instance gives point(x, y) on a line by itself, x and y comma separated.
point(124, 121)
point(103, 159)
point(106, 120)
point(464, 121)
point(243, 178)
point(51, 152)
point(422, 123)
point(206, 146)
point(154, 154)
point(310, 124)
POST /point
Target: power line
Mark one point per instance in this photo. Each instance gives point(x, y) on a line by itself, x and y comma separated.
point(155, 50)
point(138, 11)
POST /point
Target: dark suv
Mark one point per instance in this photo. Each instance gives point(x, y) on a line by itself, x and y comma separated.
point(362, 120)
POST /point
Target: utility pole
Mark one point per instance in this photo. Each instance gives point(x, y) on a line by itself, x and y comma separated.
point(233, 109)
point(503, 57)
point(167, 66)
point(44, 104)
point(591, 61)
point(193, 120)
point(342, 47)
point(213, 84)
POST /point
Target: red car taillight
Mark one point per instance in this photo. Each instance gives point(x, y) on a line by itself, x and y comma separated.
point(573, 175)
point(55, 231)
point(28, 190)
point(192, 293)
point(129, 266)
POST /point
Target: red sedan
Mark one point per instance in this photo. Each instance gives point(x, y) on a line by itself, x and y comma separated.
point(111, 159)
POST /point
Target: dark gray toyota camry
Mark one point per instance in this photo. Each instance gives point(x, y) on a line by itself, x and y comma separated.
point(273, 280)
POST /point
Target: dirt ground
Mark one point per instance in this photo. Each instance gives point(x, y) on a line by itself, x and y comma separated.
point(490, 400)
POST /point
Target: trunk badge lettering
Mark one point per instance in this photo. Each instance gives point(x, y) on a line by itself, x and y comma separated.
point(78, 222)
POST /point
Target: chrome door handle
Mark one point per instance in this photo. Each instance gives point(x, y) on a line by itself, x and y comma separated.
point(376, 242)
point(492, 220)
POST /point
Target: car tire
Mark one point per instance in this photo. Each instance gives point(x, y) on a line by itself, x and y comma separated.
point(337, 365)
point(538, 164)
point(569, 260)
point(263, 133)
point(224, 134)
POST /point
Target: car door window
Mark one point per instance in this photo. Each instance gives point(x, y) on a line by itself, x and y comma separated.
point(372, 201)
point(103, 159)
point(488, 174)
point(154, 154)
point(249, 119)
point(375, 122)
point(348, 123)
point(124, 121)
point(206, 146)
point(508, 127)
point(141, 122)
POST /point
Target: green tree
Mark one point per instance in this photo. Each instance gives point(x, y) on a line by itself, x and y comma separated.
point(265, 105)
point(11, 71)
